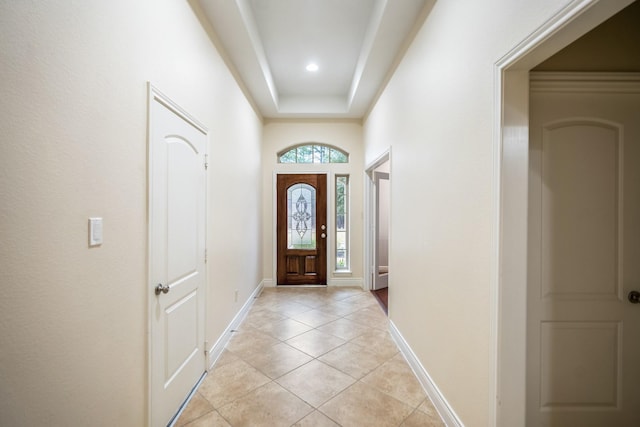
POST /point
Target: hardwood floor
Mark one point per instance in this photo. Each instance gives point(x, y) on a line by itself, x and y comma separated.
point(382, 295)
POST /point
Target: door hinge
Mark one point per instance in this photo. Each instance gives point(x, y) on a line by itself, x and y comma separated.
point(205, 256)
point(206, 161)
point(206, 348)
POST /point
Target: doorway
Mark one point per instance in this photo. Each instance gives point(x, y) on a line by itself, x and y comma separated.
point(302, 229)
point(381, 233)
point(509, 313)
point(177, 229)
point(381, 212)
point(378, 237)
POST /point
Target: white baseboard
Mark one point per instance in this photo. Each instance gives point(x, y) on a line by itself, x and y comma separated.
point(268, 283)
point(215, 351)
point(346, 281)
point(437, 398)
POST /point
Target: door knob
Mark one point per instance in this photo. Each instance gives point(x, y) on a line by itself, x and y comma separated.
point(634, 297)
point(163, 289)
point(323, 235)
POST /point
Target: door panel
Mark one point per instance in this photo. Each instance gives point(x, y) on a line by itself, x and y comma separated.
point(301, 229)
point(582, 336)
point(580, 208)
point(182, 207)
point(580, 366)
point(176, 256)
point(181, 333)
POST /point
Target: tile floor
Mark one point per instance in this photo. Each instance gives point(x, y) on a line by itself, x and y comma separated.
point(311, 357)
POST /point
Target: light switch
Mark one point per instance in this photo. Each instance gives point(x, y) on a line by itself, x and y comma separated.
point(95, 231)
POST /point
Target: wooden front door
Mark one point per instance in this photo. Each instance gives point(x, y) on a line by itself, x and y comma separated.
point(302, 229)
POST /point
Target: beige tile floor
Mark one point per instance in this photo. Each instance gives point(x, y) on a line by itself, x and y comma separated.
point(311, 357)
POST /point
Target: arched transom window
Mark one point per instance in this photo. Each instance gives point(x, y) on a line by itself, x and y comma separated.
point(313, 153)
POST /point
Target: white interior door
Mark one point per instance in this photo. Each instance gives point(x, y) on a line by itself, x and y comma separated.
point(584, 258)
point(177, 256)
point(381, 234)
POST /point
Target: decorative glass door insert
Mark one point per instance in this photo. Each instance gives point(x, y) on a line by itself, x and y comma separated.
point(301, 217)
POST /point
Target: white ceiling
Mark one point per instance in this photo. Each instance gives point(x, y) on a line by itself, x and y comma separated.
point(355, 43)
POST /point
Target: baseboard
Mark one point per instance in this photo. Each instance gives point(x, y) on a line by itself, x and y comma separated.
point(437, 398)
point(215, 351)
point(346, 281)
point(268, 283)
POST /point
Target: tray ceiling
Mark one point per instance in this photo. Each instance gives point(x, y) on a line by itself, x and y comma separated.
point(354, 43)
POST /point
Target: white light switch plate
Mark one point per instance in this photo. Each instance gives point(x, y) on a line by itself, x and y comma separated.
point(95, 231)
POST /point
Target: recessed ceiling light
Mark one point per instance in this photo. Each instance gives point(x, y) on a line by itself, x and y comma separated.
point(312, 67)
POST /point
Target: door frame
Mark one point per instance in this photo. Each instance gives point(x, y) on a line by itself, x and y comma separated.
point(370, 216)
point(153, 94)
point(508, 285)
point(274, 225)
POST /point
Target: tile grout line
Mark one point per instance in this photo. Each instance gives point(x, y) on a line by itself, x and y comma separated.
point(269, 305)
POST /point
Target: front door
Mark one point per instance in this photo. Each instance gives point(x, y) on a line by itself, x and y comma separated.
point(176, 256)
point(583, 338)
point(302, 229)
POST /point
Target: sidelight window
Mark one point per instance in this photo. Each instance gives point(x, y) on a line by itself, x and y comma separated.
point(342, 219)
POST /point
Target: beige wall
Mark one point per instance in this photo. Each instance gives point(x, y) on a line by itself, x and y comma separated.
point(73, 113)
point(346, 135)
point(437, 113)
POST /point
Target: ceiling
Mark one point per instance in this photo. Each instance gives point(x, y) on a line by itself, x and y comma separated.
point(355, 44)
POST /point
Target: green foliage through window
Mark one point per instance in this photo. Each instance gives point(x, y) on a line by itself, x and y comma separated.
point(313, 153)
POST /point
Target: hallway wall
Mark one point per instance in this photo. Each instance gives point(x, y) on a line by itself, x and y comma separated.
point(437, 113)
point(346, 135)
point(73, 113)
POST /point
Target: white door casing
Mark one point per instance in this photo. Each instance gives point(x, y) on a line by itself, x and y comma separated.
point(584, 220)
point(177, 221)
